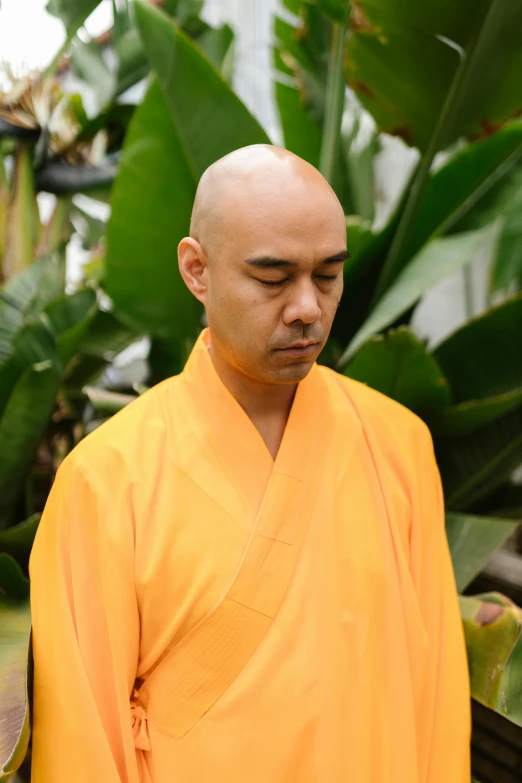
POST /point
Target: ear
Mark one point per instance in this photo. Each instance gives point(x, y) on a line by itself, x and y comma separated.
point(193, 266)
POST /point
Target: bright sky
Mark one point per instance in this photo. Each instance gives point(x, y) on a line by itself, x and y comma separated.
point(29, 36)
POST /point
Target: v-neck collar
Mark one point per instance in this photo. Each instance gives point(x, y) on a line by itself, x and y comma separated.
point(233, 436)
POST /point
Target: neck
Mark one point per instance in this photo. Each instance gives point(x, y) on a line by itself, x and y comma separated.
point(259, 400)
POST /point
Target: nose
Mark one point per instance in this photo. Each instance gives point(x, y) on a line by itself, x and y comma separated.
point(302, 304)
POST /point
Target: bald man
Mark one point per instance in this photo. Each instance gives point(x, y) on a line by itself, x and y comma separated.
point(243, 577)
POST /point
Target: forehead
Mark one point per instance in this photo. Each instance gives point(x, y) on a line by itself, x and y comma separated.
point(291, 222)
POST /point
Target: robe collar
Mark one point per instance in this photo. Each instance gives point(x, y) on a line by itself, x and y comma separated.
point(235, 439)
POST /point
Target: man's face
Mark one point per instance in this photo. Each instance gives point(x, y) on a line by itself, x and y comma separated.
point(276, 279)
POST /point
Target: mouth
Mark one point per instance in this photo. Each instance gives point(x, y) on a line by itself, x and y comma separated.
point(299, 349)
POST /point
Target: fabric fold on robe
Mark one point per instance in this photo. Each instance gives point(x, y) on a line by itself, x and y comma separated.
point(204, 612)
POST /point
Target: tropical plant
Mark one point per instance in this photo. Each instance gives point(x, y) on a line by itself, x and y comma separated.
point(468, 388)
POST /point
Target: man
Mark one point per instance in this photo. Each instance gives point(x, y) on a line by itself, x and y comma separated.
point(243, 576)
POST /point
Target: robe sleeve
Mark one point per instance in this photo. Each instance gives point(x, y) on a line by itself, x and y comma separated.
point(85, 626)
point(444, 720)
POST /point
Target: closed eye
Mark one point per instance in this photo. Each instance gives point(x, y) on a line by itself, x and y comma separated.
point(280, 282)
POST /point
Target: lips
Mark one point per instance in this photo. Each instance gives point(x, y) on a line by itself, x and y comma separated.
point(299, 345)
point(299, 349)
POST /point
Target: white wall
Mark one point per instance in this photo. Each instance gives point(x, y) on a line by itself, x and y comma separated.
point(252, 21)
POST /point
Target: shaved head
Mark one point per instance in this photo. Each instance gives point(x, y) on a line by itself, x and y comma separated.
point(265, 253)
point(256, 174)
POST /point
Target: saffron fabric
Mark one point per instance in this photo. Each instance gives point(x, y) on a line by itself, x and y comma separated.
point(203, 612)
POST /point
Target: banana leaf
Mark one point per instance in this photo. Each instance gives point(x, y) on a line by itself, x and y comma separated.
point(466, 417)
point(166, 150)
point(472, 541)
point(22, 426)
point(17, 540)
point(474, 465)
point(433, 262)
point(483, 357)
point(455, 190)
point(493, 631)
point(453, 67)
point(25, 295)
point(397, 364)
point(15, 627)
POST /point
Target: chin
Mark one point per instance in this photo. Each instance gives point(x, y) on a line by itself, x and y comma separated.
point(292, 373)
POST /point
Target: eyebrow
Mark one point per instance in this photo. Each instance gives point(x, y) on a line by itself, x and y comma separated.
point(271, 262)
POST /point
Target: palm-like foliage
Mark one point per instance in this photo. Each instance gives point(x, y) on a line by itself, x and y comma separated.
point(468, 388)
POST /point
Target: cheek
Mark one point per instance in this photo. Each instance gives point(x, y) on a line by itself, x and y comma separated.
point(329, 300)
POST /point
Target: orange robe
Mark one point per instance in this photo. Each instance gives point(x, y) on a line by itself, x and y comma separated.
point(203, 613)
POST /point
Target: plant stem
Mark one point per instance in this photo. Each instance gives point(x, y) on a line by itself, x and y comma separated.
point(335, 90)
point(21, 226)
point(4, 206)
point(468, 291)
point(56, 233)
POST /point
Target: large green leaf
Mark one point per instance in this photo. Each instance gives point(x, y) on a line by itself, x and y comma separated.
point(88, 62)
point(505, 502)
point(55, 335)
point(142, 274)
point(484, 357)
point(474, 465)
point(13, 584)
point(72, 13)
point(17, 540)
point(301, 134)
point(505, 198)
point(132, 62)
point(103, 338)
point(456, 57)
point(460, 186)
point(472, 540)
point(216, 43)
point(196, 94)
point(403, 58)
point(360, 160)
point(361, 273)
point(106, 336)
point(303, 52)
point(70, 318)
point(24, 294)
point(334, 104)
point(435, 260)
point(493, 630)
point(90, 229)
point(466, 417)
point(310, 93)
point(398, 365)
point(450, 193)
point(22, 426)
point(34, 343)
point(167, 357)
point(168, 147)
point(15, 627)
